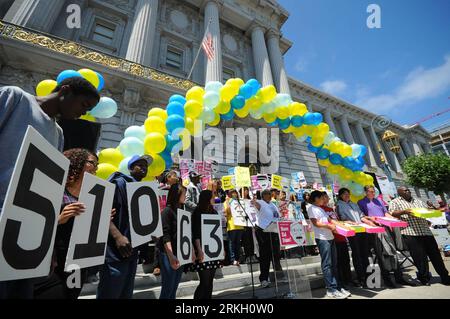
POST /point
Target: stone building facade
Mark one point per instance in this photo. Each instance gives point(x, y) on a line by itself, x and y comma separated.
point(146, 48)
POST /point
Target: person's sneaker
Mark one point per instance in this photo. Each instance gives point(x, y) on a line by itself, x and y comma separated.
point(346, 292)
point(265, 284)
point(156, 272)
point(336, 295)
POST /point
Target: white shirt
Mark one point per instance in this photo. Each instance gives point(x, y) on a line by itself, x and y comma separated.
point(321, 216)
point(268, 213)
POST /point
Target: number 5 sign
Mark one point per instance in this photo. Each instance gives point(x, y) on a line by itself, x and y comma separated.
point(31, 208)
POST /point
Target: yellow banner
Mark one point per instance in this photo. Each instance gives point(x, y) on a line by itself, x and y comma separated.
point(227, 182)
point(243, 178)
point(276, 182)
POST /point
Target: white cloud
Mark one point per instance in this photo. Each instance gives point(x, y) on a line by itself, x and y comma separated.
point(333, 87)
point(420, 84)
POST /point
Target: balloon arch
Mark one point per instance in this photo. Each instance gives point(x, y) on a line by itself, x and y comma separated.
point(167, 131)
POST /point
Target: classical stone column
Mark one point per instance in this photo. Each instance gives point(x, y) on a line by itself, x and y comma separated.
point(370, 157)
point(416, 147)
point(276, 62)
point(375, 143)
point(213, 67)
point(260, 56)
point(346, 130)
point(405, 146)
point(329, 120)
point(142, 37)
point(35, 14)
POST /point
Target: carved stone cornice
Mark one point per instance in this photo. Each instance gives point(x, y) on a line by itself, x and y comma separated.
point(75, 50)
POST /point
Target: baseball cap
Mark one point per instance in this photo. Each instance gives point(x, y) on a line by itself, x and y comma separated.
point(136, 158)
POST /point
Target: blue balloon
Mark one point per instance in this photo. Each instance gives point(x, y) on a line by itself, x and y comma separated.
point(274, 123)
point(175, 108)
point(238, 102)
point(228, 116)
point(177, 98)
point(317, 118)
point(101, 83)
point(363, 150)
point(254, 84)
point(335, 159)
point(174, 122)
point(105, 108)
point(308, 139)
point(246, 91)
point(167, 157)
point(297, 121)
point(323, 154)
point(313, 148)
point(308, 118)
point(67, 74)
point(284, 124)
point(359, 164)
point(170, 143)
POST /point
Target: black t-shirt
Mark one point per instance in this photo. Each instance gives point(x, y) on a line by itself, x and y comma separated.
point(169, 226)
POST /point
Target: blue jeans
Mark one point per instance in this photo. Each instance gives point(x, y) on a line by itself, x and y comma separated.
point(117, 279)
point(235, 237)
point(327, 249)
point(170, 278)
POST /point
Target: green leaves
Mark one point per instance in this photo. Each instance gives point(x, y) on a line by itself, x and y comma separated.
point(429, 171)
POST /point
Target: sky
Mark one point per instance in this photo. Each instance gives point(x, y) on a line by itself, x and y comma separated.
point(401, 70)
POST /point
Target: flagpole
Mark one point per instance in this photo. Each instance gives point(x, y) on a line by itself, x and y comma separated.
point(199, 49)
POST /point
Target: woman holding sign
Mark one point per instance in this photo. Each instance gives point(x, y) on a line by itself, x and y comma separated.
point(170, 266)
point(55, 286)
point(206, 270)
point(234, 232)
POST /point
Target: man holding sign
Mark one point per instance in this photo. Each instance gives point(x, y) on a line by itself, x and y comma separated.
point(117, 274)
point(19, 109)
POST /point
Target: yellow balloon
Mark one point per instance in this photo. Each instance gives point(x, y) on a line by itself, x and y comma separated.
point(299, 131)
point(223, 107)
point(110, 156)
point(269, 117)
point(296, 108)
point(193, 108)
point(324, 163)
point(323, 129)
point(333, 169)
point(227, 93)
point(88, 117)
point(236, 82)
point(317, 141)
point(268, 93)
point(254, 102)
point(154, 143)
point(216, 120)
point(189, 124)
point(155, 124)
point(242, 112)
point(90, 76)
point(335, 146)
point(195, 93)
point(149, 178)
point(282, 112)
point(347, 174)
point(157, 166)
point(159, 112)
point(288, 130)
point(104, 170)
point(346, 150)
point(309, 130)
point(45, 87)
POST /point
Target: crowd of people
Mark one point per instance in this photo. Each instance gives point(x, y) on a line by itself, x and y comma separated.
point(75, 96)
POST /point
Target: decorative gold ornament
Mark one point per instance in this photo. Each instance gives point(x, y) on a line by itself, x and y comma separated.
point(392, 140)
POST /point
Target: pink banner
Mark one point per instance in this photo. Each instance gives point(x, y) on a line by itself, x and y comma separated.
point(255, 184)
point(284, 230)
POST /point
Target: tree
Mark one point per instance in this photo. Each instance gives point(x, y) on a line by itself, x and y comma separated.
point(429, 171)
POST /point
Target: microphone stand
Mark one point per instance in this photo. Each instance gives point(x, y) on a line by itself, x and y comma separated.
point(247, 219)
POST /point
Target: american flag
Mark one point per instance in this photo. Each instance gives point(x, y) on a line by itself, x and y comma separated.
point(207, 45)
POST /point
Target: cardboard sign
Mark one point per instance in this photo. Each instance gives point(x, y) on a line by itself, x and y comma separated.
point(277, 182)
point(198, 167)
point(31, 209)
point(283, 208)
point(391, 222)
point(242, 175)
point(310, 239)
point(227, 182)
point(212, 237)
point(238, 214)
point(263, 181)
point(255, 183)
point(291, 234)
point(144, 212)
point(220, 209)
point(426, 213)
point(185, 250)
point(90, 230)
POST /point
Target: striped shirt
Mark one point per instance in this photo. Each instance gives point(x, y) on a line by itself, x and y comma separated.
point(416, 226)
